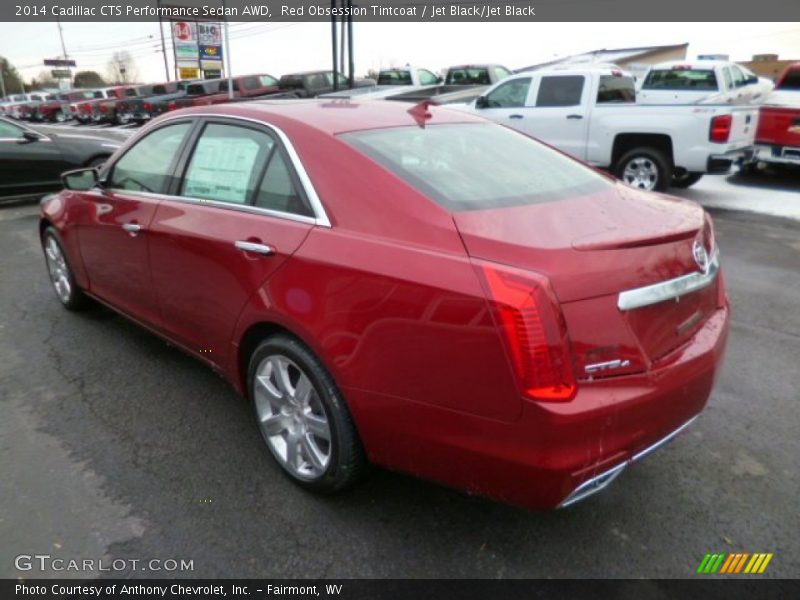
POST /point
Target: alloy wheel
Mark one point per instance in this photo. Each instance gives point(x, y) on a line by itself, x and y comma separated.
point(292, 418)
point(58, 269)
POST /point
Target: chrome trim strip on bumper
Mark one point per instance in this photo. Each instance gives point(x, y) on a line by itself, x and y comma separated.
point(672, 288)
point(604, 479)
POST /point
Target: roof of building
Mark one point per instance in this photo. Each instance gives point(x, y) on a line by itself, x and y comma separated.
point(605, 55)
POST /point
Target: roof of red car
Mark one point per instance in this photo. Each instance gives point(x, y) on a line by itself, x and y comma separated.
point(339, 116)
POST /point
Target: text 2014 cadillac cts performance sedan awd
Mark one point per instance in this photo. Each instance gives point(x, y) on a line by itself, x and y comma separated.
point(421, 289)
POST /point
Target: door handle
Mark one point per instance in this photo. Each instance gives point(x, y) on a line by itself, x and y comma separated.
point(254, 247)
point(574, 116)
point(514, 116)
point(132, 228)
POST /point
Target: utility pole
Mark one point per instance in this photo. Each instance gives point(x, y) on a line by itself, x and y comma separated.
point(227, 56)
point(163, 44)
point(63, 49)
point(2, 80)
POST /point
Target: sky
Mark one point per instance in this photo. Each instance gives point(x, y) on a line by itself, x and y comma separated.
point(278, 48)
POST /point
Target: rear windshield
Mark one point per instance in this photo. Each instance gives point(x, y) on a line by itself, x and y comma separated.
point(394, 78)
point(130, 92)
point(468, 76)
point(476, 166)
point(681, 79)
point(790, 81)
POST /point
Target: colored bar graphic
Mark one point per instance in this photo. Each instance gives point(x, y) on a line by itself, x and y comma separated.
point(735, 563)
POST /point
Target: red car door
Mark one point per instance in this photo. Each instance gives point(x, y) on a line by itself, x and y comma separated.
point(114, 232)
point(238, 215)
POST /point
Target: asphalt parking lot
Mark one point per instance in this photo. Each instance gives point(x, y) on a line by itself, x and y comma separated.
point(115, 445)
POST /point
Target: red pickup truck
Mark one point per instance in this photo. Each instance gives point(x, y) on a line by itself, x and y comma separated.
point(778, 134)
point(106, 110)
point(244, 87)
point(86, 111)
point(56, 110)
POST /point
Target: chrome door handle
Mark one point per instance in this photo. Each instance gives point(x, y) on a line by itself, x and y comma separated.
point(132, 228)
point(514, 116)
point(245, 246)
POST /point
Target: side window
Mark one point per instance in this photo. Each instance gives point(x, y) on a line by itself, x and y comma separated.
point(251, 83)
point(726, 74)
point(226, 163)
point(615, 88)
point(146, 167)
point(501, 73)
point(267, 81)
point(426, 77)
point(278, 191)
point(8, 130)
point(560, 90)
point(511, 94)
point(738, 77)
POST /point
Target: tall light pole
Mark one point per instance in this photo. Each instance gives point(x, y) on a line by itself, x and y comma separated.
point(63, 48)
point(228, 55)
point(2, 80)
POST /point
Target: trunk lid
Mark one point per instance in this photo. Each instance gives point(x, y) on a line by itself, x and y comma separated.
point(593, 247)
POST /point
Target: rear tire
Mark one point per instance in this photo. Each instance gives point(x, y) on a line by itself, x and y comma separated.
point(64, 284)
point(645, 169)
point(302, 416)
point(686, 181)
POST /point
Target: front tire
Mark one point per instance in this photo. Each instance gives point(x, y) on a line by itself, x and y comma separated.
point(645, 169)
point(64, 284)
point(302, 416)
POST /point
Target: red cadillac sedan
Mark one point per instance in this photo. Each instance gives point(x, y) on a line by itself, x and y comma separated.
point(420, 289)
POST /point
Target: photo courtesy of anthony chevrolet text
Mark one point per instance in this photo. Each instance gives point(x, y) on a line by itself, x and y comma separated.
point(399, 299)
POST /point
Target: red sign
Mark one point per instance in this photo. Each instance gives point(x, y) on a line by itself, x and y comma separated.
point(183, 31)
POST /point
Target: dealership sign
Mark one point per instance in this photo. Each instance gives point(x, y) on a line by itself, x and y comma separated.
point(209, 34)
point(186, 51)
point(184, 31)
point(188, 72)
point(210, 52)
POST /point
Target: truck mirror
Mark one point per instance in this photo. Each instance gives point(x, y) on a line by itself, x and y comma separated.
point(481, 102)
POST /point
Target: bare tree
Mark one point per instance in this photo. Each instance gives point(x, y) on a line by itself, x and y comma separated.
point(122, 68)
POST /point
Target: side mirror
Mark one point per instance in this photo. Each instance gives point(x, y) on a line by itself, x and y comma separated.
point(30, 136)
point(481, 102)
point(80, 179)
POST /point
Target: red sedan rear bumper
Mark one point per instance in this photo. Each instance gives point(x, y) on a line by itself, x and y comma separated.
point(555, 454)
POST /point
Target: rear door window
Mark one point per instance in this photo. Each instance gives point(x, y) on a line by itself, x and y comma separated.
point(614, 89)
point(226, 163)
point(278, 190)
point(560, 90)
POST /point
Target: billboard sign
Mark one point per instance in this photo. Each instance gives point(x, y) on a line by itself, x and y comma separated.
point(186, 51)
point(209, 34)
point(58, 62)
point(210, 52)
point(188, 72)
point(184, 31)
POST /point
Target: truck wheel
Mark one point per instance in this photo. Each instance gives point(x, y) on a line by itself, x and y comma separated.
point(644, 169)
point(686, 180)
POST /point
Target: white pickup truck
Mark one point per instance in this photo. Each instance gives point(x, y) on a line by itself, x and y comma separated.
point(591, 113)
point(706, 81)
point(391, 82)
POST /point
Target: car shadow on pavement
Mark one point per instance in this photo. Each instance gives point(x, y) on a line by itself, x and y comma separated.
point(785, 180)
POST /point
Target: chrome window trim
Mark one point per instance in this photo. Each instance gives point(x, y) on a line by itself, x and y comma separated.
point(320, 218)
point(670, 289)
point(256, 210)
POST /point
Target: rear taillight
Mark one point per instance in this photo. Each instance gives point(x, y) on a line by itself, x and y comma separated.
point(720, 129)
point(147, 107)
point(533, 329)
point(172, 106)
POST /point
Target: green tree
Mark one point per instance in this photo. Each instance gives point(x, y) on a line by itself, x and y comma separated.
point(11, 79)
point(88, 79)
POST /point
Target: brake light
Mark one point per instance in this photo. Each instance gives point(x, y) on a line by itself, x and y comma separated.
point(147, 106)
point(681, 67)
point(720, 129)
point(533, 329)
point(172, 106)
